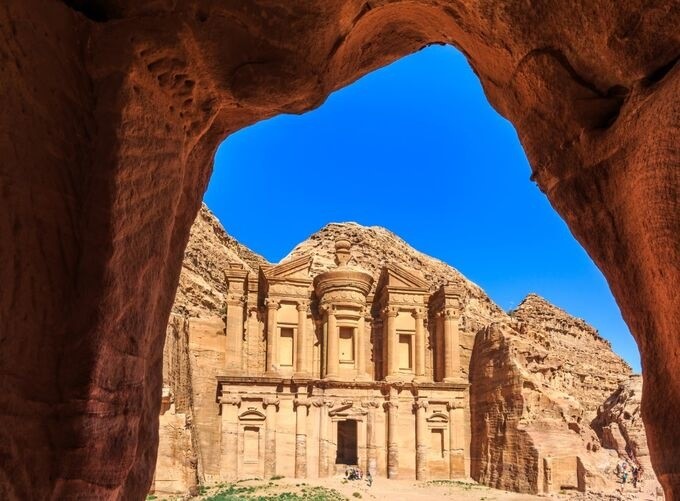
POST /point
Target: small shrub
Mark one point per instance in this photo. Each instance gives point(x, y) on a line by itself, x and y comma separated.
point(276, 477)
point(356, 494)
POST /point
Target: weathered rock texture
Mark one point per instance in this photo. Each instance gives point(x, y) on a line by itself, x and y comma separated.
point(568, 354)
point(192, 364)
point(112, 111)
point(619, 426)
point(531, 410)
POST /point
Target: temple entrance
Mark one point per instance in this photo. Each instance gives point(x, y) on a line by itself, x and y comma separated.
point(347, 443)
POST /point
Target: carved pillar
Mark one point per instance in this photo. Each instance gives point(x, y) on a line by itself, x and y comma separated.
point(421, 440)
point(332, 361)
point(419, 316)
point(234, 331)
point(391, 341)
point(301, 362)
point(323, 405)
point(361, 346)
point(451, 346)
point(456, 452)
point(229, 453)
point(371, 449)
point(272, 337)
point(301, 407)
point(392, 408)
point(270, 405)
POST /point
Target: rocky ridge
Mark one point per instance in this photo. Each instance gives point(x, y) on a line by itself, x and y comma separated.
point(202, 285)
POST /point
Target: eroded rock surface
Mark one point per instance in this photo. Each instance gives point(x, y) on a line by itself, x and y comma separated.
point(537, 383)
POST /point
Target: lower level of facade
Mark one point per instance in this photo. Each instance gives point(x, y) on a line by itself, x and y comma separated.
point(317, 428)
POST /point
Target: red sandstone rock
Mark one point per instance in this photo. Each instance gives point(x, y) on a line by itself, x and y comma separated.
point(112, 110)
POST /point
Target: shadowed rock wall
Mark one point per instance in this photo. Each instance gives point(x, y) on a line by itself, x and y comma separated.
point(112, 111)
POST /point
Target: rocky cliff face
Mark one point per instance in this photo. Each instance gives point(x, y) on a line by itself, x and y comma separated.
point(201, 284)
point(537, 382)
point(620, 428)
point(190, 364)
point(570, 356)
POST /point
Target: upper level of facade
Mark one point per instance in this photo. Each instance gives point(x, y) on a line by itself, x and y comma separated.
point(286, 323)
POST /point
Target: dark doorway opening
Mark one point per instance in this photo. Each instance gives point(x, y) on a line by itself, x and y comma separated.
point(347, 443)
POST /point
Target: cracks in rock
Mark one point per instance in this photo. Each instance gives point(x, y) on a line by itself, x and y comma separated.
point(559, 57)
point(365, 9)
point(598, 113)
point(659, 73)
point(99, 11)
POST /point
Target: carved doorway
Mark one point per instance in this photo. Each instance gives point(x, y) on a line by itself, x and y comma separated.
point(347, 443)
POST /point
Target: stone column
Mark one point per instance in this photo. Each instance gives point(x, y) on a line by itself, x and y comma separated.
point(371, 449)
point(323, 405)
point(229, 454)
point(272, 337)
point(301, 408)
point(451, 346)
point(332, 360)
point(419, 316)
point(391, 342)
point(421, 440)
point(234, 331)
point(392, 408)
point(361, 347)
point(301, 362)
point(270, 405)
point(456, 452)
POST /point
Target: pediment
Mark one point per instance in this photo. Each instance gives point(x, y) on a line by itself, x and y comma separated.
point(393, 275)
point(251, 415)
point(438, 417)
point(295, 269)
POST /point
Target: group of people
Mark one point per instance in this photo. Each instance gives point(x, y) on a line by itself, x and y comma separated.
point(355, 473)
point(626, 471)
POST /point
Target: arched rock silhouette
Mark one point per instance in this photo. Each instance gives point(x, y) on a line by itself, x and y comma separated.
point(112, 111)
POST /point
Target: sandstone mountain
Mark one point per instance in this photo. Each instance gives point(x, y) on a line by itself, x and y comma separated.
point(538, 375)
point(569, 355)
point(201, 284)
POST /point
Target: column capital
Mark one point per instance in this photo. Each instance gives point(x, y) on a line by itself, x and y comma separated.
point(390, 311)
point(267, 401)
point(390, 404)
point(235, 299)
point(420, 404)
point(306, 402)
point(272, 304)
point(323, 402)
point(418, 313)
point(302, 305)
point(450, 313)
point(230, 399)
point(455, 404)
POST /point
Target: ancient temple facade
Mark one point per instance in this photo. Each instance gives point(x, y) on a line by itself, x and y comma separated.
point(326, 371)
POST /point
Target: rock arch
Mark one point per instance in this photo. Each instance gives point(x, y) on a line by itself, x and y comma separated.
point(113, 109)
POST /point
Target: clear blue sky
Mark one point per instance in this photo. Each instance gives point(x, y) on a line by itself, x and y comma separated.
point(414, 147)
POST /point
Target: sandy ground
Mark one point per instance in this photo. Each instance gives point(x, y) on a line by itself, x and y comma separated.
point(410, 490)
point(397, 490)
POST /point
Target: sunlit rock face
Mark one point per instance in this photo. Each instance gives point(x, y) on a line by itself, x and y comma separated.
point(538, 376)
point(112, 111)
point(532, 403)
